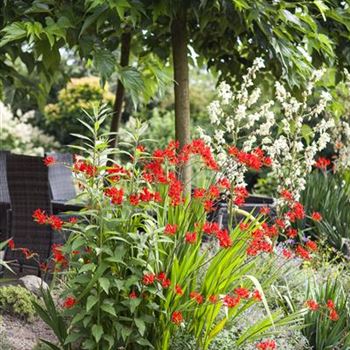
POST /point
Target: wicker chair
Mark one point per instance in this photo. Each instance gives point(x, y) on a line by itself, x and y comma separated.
point(60, 177)
point(29, 189)
point(4, 196)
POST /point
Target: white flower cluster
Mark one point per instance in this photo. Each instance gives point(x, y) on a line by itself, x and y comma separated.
point(19, 136)
point(280, 127)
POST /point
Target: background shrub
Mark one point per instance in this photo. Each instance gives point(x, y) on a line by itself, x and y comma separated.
point(17, 301)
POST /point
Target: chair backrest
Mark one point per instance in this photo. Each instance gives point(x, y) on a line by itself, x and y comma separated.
point(4, 192)
point(60, 177)
point(27, 178)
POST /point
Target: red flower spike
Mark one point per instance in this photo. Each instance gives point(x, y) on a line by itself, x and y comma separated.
point(330, 304)
point(224, 238)
point(292, 232)
point(302, 252)
point(231, 301)
point(133, 295)
point(265, 211)
point(333, 315)
point(115, 194)
point(322, 163)
point(176, 318)
point(287, 254)
point(170, 229)
point(256, 295)
point(134, 199)
point(148, 279)
point(316, 216)
point(311, 245)
point(55, 222)
point(211, 227)
point(69, 302)
point(198, 193)
point(285, 194)
point(208, 206)
point(267, 345)
point(191, 237)
point(197, 297)
point(178, 290)
point(40, 217)
point(242, 292)
point(49, 160)
point(11, 244)
point(312, 305)
point(73, 220)
point(213, 299)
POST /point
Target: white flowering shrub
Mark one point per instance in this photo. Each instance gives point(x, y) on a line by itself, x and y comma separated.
point(19, 136)
point(280, 129)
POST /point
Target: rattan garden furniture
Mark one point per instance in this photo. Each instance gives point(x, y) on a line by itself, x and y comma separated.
point(28, 185)
point(4, 196)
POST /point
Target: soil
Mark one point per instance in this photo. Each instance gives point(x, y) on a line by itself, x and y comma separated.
point(24, 335)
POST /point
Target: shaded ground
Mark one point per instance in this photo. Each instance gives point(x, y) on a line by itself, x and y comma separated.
point(22, 335)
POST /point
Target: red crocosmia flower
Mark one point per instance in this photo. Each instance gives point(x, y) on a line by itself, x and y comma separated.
point(241, 195)
point(214, 191)
point(40, 217)
point(267, 161)
point(148, 278)
point(178, 290)
point(287, 254)
point(84, 167)
point(69, 302)
point(333, 315)
point(27, 253)
point(134, 199)
point(303, 253)
point(115, 172)
point(267, 345)
point(141, 148)
point(161, 276)
point(211, 227)
point(213, 299)
point(166, 283)
point(280, 223)
point(256, 295)
point(208, 206)
point(285, 194)
point(243, 226)
point(298, 210)
point(311, 245)
point(175, 190)
point(242, 292)
point(191, 237)
point(231, 301)
point(43, 266)
point(322, 163)
point(11, 244)
point(330, 304)
point(115, 194)
point(312, 305)
point(170, 229)
point(58, 256)
point(224, 238)
point(292, 232)
point(73, 220)
point(49, 160)
point(133, 295)
point(198, 193)
point(224, 183)
point(197, 297)
point(233, 151)
point(55, 222)
point(316, 216)
point(265, 210)
point(176, 317)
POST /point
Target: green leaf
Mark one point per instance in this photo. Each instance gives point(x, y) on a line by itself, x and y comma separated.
point(109, 309)
point(105, 63)
point(97, 332)
point(91, 301)
point(140, 324)
point(105, 284)
point(144, 342)
point(14, 31)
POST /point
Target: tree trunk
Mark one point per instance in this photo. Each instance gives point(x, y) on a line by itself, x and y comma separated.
point(181, 88)
point(119, 94)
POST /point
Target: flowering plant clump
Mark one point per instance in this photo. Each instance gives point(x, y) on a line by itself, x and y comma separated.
point(136, 267)
point(19, 136)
